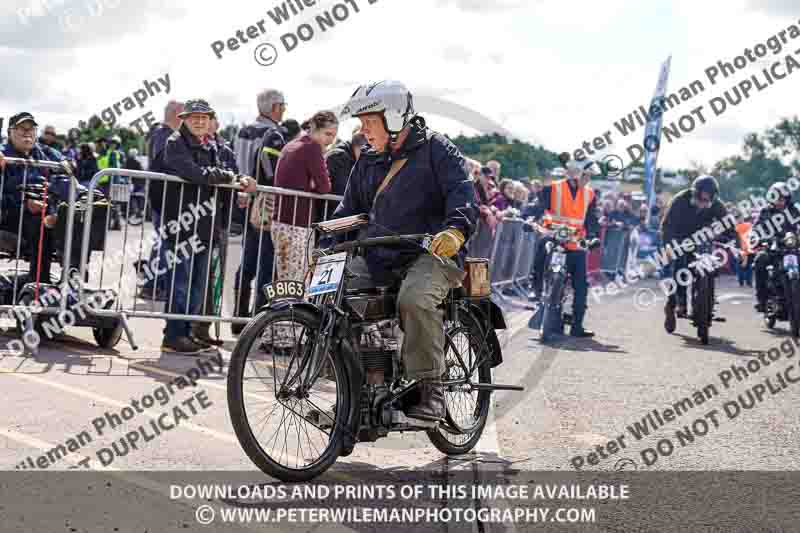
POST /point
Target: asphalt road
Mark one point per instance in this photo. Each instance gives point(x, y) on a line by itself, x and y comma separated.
point(579, 395)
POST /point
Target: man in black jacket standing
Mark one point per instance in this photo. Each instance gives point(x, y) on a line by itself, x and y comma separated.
point(340, 161)
point(188, 211)
point(258, 147)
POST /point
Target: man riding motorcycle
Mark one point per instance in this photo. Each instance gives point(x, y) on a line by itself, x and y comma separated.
point(411, 180)
point(570, 201)
point(689, 212)
point(781, 208)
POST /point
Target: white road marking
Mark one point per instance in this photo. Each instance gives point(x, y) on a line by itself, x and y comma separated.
point(225, 437)
point(135, 479)
point(732, 296)
point(45, 446)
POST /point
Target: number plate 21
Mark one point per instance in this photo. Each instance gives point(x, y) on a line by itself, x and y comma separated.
point(284, 289)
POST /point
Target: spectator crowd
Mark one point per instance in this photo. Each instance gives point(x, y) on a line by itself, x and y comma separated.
point(272, 150)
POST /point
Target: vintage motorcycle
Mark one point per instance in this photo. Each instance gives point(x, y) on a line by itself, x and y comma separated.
point(783, 284)
point(316, 371)
point(701, 266)
point(550, 316)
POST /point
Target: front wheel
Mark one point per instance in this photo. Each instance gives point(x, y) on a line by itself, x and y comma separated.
point(552, 322)
point(467, 361)
point(704, 306)
point(290, 433)
point(794, 307)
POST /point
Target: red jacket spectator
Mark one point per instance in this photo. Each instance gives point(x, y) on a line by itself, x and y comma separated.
point(301, 167)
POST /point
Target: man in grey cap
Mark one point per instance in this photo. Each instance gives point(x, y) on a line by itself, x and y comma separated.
point(258, 147)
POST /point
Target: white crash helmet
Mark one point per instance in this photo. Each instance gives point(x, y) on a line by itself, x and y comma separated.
point(778, 190)
point(392, 98)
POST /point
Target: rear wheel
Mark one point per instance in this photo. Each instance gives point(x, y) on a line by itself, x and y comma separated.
point(467, 361)
point(289, 433)
point(107, 337)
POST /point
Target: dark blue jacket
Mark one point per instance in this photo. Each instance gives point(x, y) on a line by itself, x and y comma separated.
point(198, 164)
point(430, 193)
point(226, 156)
point(156, 142)
point(15, 175)
point(225, 198)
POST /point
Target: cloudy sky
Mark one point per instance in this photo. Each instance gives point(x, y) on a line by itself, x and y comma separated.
point(553, 72)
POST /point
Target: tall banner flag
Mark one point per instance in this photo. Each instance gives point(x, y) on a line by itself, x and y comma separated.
point(652, 138)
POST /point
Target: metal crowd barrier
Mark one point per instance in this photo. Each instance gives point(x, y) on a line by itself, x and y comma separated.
point(26, 312)
point(633, 250)
point(511, 259)
point(208, 208)
point(481, 242)
point(615, 251)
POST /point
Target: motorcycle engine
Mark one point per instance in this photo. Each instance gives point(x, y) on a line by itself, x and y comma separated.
point(378, 346)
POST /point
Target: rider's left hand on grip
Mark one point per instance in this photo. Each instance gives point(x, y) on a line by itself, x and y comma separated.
point(447, 243)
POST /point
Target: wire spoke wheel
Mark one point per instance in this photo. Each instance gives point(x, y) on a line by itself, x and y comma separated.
point(467, 362)
point(290, 427)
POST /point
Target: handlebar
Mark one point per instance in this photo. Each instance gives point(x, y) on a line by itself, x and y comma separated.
point(582, 243)
point(418, 239)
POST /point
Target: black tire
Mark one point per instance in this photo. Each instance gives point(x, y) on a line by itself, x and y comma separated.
point(135, 220)
point(704, 302)
point(552, 321)
point(26, 299)
point(794, 307)
point(107, 338)
point(460, 434)
point(236, 395)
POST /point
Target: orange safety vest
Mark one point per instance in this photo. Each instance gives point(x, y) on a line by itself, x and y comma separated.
point(743, 229)
point(564, 209)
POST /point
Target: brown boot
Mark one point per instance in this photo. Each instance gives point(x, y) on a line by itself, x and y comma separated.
point(431, 404)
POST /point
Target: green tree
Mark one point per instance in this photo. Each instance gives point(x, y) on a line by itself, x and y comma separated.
point(518, 159)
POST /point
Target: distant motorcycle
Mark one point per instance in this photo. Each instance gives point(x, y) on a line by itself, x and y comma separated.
point(783, 284)
point(703, 266)
point(550, 317)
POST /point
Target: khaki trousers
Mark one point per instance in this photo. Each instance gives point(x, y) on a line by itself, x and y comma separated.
point(424, 287)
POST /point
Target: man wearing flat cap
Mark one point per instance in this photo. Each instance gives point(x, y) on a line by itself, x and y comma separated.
point(23, 217)
point(189, 155)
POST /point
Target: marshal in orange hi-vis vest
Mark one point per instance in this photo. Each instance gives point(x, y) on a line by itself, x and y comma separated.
point(564, 209)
